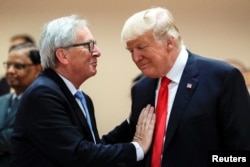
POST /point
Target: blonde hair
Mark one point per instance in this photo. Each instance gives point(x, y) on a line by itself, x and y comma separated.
point(158, 19)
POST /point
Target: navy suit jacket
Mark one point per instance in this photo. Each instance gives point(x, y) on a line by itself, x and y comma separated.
point(4, 87)
point(51, 130)
point(214, 114)
point(6, 128)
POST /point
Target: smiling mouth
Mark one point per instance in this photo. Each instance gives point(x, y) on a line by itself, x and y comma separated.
point(94, 63)
point(143, 66)
point(11, 78)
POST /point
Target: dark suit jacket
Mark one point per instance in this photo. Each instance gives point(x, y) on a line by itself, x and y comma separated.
point(4, 87)
point(6, 128)
point(51, 130)
point(214, 114)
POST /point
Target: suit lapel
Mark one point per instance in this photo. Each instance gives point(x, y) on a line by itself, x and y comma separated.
point(145, 94)
point(187, 86)
point(77, 110)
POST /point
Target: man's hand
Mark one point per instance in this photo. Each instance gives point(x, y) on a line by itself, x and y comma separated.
point(145, 128)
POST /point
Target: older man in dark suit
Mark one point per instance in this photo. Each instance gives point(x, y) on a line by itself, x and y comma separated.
point(55, 125)
point(203, 105)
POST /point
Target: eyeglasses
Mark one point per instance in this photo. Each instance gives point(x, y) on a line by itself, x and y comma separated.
point(91, 45)
point(17, 66)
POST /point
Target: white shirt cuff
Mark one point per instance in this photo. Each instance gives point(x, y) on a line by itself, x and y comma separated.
point(139, 151)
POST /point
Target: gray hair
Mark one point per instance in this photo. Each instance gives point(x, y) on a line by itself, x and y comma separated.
point(158, 19)
point(58, 33)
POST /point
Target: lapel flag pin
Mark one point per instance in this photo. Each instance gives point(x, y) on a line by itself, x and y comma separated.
point(189, 85)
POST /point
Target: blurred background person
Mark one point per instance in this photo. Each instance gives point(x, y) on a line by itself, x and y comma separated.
point(21, 38)
point(22, 68)
point(202, 104)
point(4, 87)
point(14, 40)
point(243, 69)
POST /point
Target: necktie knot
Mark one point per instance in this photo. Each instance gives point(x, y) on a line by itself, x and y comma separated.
point(165, 81)
point(81, 98)
point(79, 95)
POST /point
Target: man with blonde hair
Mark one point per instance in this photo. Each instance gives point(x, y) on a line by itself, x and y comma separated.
point(202, 104)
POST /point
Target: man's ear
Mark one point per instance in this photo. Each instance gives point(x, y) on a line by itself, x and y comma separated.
point(171, 43)
point(61, 56)
point(38, 68)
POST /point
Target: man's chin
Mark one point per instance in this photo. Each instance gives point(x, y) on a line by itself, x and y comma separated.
point(93, 73)
point(12, 85)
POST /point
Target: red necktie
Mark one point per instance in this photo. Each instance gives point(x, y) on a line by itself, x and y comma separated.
point(160, 127)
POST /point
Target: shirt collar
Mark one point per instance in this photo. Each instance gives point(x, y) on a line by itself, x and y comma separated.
point(69, 84)
point(16, 96)
point(176, 71)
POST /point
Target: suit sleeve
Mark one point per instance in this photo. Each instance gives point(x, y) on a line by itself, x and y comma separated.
point(44, 121)
point(234, 116)
point(120, 134)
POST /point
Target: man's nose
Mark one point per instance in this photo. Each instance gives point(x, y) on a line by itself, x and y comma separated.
point(96, 52)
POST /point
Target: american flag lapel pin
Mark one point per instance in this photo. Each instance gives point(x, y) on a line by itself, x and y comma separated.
point(189, 85)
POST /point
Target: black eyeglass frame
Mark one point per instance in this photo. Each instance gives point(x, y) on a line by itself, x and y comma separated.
point(91, 45)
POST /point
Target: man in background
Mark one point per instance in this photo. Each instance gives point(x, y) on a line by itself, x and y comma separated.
point(21, 38)
point(15, 40)
point(243, 69)
point(22, 68)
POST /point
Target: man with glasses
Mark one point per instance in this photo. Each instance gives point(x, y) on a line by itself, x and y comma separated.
point(15, 40)
point(56, 125)
point(22, 67)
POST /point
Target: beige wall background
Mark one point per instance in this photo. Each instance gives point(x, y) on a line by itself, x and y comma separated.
point(214, 28)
